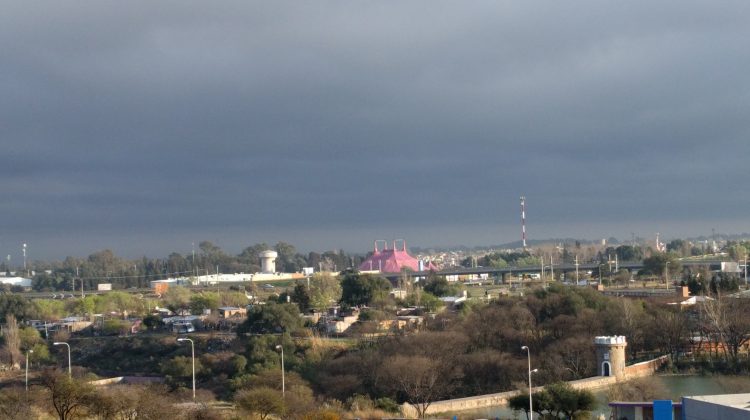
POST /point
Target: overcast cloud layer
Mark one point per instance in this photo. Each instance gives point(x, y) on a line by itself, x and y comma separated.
point(144, 126)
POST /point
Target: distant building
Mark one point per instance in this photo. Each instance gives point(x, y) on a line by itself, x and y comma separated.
point(16, 281)
point(704, 407)
point(454, 301)
point(232, 312)
point(727, 407)
point(393, 260)
point(640, 410)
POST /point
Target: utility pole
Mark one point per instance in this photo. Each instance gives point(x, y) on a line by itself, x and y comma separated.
point(523, 222)
point(577, 269)
point(551, 268)
point(542, 266)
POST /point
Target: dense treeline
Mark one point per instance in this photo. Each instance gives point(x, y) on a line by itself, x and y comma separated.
point(105, 267)
point(478, 350)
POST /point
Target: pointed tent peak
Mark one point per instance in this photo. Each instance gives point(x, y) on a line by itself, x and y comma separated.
point(392, 260)
point(377, 241)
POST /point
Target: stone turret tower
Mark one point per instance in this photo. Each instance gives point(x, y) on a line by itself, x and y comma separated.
point(610, 356)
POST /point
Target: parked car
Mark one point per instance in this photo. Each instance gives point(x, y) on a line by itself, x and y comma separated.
point(183, 327)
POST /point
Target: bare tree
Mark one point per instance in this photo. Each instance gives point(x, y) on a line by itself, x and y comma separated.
point(263, 401)
point(643, 389)
point(12, 340)
point(668, 331)
point(419, 380)
point(737, 327)
point(68, 396)
point(727, 319)
point(14, 404)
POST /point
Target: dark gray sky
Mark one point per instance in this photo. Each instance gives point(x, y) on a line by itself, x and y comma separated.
point(145, 126)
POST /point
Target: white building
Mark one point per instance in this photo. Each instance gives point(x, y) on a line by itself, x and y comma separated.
point(16, 281)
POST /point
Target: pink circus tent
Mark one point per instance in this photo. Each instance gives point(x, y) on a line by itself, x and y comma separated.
point(392, 260)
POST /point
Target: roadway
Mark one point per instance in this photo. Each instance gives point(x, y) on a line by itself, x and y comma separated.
point(564, 268)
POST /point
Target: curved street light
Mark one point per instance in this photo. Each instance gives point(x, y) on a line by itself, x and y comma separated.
point(62, 343)
point(531, 405)
point(283, 385)
point(27, 368)
point(192, 350)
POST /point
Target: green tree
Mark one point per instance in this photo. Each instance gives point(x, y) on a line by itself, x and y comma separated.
point(249, 258)
point(426, 300)
point(439, 286)
point(238, 299)
point(178, 369)
point(679, 246)
point(520, 402)
point(629, 253)
point(204, 300)
point(272, 318)
point(115, 327)
point(263, 401)
point(325, 289)
point(49, 309)
point(562, 399)
point(362, 289)
point(301, 296)
point(177, 298)
point(67, 395)
point(86, 305)
point(116, 301)
point(17, 305)
point(152, 322)
point(657, 263)
point(29, 337)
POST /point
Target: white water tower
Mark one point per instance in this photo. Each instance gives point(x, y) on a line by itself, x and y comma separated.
point(268, 261)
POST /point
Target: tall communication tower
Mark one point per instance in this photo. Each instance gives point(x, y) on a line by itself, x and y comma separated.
point(523, 221)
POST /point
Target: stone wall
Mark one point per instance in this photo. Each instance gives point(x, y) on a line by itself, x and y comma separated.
point(498, 399)
point(638, 370)
point(646, 368)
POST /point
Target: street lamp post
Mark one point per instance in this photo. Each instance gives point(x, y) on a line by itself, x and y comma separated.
point(192, 351)
point(283, 384)
point(531, 405)
point(62, 343)
point(27, 369)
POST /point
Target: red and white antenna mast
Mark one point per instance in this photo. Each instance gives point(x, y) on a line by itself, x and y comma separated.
point(523, 221)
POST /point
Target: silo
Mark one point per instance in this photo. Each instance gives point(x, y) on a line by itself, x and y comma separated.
point(268, 261)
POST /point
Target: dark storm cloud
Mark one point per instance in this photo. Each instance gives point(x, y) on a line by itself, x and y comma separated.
point(327, 123)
